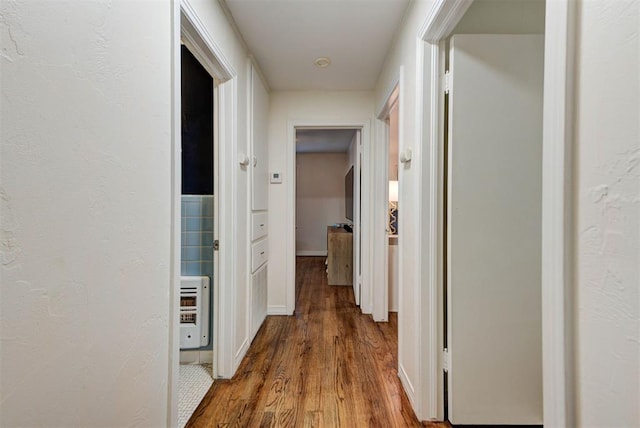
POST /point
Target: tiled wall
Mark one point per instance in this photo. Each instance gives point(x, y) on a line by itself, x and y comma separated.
point(197, 241)
point(197, 235)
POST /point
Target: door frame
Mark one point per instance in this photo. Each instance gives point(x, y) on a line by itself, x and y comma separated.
point(357, 219)
point(365, 227)
point(381, 201)
point(557, 196)
point(187, 27)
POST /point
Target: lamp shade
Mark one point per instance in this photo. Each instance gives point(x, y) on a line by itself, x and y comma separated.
point(393, 191)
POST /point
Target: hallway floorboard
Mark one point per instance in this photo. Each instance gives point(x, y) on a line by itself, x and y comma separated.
point(328, 366)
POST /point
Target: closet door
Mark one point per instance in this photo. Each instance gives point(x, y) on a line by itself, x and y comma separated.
point(494, 226)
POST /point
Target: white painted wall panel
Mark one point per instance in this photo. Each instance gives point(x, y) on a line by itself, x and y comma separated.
point(319, 199)
point(259, 225)
point(503, 17)
point(259, 255)
point(260, 160)
point(494, 230)
point(258, 299)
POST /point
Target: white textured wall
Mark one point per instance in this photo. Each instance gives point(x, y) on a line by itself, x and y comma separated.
point(608, 214)
point(284, 107)
point(403, 54)
point(85, 220)
point(319, 199)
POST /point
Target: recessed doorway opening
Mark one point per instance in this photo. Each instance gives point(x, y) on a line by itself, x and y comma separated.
point(327, 201)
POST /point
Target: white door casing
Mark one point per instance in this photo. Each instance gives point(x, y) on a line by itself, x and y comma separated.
point(380, 251)
point(357, 219)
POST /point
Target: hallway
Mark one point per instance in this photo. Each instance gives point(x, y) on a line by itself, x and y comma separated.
point(327, 366)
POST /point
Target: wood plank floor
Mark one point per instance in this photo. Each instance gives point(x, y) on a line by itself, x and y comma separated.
point(327, 366)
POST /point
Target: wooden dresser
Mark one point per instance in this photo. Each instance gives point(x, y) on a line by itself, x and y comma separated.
point(339, 256)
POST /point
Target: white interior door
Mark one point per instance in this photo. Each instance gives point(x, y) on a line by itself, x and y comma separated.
point(494, 225)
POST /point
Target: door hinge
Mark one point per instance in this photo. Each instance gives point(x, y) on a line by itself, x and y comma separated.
point(216, 245)
point(445, 360)
point(446, 82)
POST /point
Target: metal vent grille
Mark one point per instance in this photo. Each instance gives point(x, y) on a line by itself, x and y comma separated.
point(194, 312)
point(189, 305)
point(188, 318)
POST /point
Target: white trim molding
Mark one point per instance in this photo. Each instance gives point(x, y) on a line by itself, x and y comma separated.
point(241, 352)
point(379, 218)
point(227, 231)
point(442, 19)
point(391, 98)
point(277, 310)
point(557, 184)
point(407, 385)
point(290, 236)
point(431, 241)
point(196, 37)
point(380, 199)
point(173, 383)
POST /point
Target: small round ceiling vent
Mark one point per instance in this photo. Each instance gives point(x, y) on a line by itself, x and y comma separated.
point(322, 62)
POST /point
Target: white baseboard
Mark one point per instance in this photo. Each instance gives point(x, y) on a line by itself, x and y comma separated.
point(408, 386)
point(277, 310)
point(242, 351)
point(312, 253)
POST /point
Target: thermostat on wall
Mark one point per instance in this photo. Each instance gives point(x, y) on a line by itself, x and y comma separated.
point(276, 178)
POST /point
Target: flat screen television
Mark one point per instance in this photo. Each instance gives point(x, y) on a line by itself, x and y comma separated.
point(348, 194)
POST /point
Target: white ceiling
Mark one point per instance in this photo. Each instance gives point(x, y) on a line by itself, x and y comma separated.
point(286, 36)
point(323, 140)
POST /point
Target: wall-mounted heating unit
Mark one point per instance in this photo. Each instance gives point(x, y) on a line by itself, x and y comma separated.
point(194, 311)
